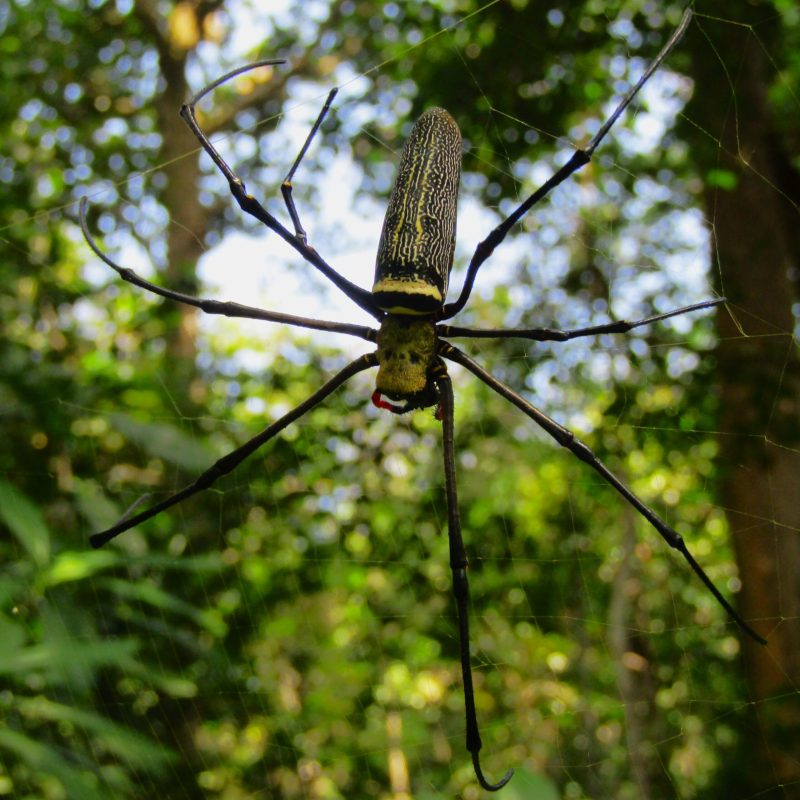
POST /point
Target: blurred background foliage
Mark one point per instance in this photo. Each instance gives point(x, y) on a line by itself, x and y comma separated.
point(291, 632)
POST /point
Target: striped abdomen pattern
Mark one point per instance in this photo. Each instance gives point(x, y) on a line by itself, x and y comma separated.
point(415, 254)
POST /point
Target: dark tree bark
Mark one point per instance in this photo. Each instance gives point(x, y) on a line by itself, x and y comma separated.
point(175, 37)
point(635, 668)
point(754, 221)
point(182, 169)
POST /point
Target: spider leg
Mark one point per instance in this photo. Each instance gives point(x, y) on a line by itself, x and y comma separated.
point(228, 309)
point(286, 186)
point(579, 158)
point(458, 565)
point(232, 460)
point(250, 205)
point(555, 335)
point(568, 439)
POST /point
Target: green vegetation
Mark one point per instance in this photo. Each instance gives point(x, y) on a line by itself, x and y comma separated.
point(291, 633)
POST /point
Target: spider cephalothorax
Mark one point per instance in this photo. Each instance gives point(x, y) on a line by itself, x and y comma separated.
point(406, 353)
point(415, 257)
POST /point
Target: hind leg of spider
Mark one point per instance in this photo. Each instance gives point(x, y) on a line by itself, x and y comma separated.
point(568, 439)
point(458, 566)
point(232, 460)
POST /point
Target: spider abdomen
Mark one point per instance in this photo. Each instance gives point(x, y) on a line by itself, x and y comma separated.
point(415, 254)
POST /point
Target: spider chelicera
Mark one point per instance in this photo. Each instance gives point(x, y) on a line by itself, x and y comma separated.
point(414, 260)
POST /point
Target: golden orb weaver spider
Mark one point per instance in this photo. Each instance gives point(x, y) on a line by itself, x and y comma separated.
point(414, 260)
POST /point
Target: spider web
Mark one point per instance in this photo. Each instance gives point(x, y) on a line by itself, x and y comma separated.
point(291, 633)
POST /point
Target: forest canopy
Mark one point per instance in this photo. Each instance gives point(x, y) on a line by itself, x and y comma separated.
point(291, 633)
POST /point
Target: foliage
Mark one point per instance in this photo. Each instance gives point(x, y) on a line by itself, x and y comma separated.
point(291, 633)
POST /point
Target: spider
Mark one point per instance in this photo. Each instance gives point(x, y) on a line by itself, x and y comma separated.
point(413, 265)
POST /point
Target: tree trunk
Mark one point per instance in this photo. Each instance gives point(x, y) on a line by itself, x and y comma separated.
point(635, 673)
point(175, 37)
point(754, 259)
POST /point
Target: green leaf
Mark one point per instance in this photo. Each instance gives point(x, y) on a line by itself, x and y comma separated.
point(722, 178)
point(137, 751)
point(527, 785)
point(94, 654)
point(25, 522)
point(48, 761)
point(75, 566)
point(164, 601)
point(13, 637)
point(95, 506)
point(171, 685)
point(165, 441)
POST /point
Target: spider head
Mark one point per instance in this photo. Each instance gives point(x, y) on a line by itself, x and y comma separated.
point(406, 352)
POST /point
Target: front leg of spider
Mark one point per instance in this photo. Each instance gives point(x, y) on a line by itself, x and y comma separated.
point(578, 159)
point(287, 186)
point(231, 461)
point(252, 206)
point(189, 117)
point(567, 439)
point(247, 202)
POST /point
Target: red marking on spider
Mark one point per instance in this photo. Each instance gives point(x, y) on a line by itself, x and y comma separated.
point(379, 401)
